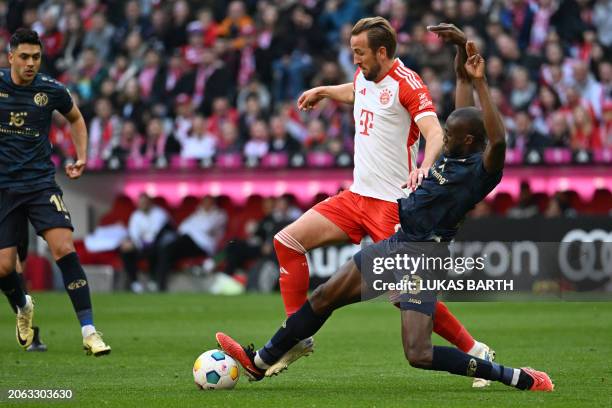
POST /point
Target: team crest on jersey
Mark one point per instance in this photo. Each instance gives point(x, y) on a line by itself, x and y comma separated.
point(41, 99)
point(385, 97)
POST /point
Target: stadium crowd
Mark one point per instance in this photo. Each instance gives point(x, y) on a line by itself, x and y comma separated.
point(200, 79)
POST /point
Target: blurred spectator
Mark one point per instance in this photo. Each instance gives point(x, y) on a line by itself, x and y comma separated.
point(209, 27)
point(542, 108)
point(183, 116)
point(104, 131)
point(132, 107)
point(222, 112)
point(89, 73)
point(198, 235)
point(589, 88)
point(335, 14)
point(316, 136)
point(523, 89)
point(130, 146)
point(526, 206)
point(146, 230)
point(559, 130)
point(585, 133)
point(210, 80)
point(601, 18)
point(197, 142)
point(229, 141)
point(159, 144)
point(237, 25)
point(177, 34)
point(281, 142)
point(258, 144)
point(192, 52)
point(99, 36)
point(517, 17)
point(559, 206)
point(250, 115)
point(524, 136)
point(541, 24)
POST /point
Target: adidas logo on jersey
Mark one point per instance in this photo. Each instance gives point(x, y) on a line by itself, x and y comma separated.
point(363, 91)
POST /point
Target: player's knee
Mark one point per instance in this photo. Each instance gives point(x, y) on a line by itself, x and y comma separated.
point(7, 263)
point(319, 301)
point(417, 356)
point(62, 249)
point(284, 241)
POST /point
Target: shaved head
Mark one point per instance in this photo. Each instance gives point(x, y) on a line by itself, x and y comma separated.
point(464, 132)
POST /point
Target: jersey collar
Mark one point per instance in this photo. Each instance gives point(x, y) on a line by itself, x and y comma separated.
point(393, 67)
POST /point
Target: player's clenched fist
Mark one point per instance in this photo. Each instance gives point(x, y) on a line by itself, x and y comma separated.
point(75, 170)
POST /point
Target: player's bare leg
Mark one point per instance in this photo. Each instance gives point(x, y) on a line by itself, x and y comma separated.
point(416, 339)
point(62, 249)
point(11, 286)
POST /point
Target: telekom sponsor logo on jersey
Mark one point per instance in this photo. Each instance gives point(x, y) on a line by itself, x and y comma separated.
point(367, 119)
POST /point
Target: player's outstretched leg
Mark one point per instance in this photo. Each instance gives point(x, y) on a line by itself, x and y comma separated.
point(343, 288)
point(416, 337)
point(62, 248)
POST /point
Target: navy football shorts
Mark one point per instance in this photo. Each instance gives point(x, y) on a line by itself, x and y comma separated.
point(44, 208)
point(402, 270)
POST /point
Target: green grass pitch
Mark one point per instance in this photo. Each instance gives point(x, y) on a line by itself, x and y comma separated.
point(358, 359)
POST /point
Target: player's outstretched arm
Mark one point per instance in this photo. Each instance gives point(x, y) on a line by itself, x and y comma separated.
point(463, 91)
point(344, 93)
point(495, 152)
point(79, 138)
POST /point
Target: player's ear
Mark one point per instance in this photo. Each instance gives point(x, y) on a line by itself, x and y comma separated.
point(469, 139)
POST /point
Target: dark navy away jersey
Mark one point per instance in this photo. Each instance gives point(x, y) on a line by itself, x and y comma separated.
point(451, 189)
point(25, 119)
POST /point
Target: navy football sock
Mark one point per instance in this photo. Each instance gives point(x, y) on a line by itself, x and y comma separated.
point(457, 362)
point(77, 287)
point(300, 325)
point(11, 286)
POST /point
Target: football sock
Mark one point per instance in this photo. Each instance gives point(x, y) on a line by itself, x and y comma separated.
point(457, 362)
point(294, 274)
point(300, 325)
point(77, 287)
point(12, 289)
point(447, 326)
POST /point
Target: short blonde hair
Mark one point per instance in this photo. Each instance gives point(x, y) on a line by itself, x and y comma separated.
point(380, 34)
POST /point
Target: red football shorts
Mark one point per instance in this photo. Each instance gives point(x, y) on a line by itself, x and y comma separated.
point(359, 216)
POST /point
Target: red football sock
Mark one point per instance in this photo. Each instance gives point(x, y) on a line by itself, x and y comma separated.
point(294, 274)
point(446, 325)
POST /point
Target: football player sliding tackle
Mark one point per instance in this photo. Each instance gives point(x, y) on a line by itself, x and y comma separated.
point(472, 165)
point(391, 108)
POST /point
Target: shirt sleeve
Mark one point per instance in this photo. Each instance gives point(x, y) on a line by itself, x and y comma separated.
point(415, 97)
point(63, 100)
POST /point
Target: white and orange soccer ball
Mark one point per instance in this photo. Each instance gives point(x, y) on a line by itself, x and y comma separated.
point(215, 370)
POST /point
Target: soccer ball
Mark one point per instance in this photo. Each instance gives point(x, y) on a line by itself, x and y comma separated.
point(215, 370)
